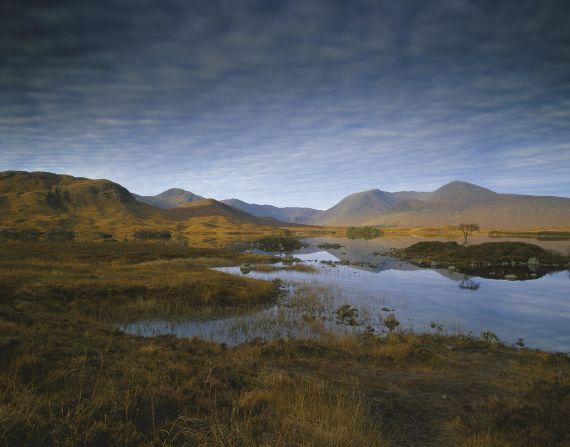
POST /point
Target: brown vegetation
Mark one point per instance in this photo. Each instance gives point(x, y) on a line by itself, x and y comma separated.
point(487, 259)
point(69, 378)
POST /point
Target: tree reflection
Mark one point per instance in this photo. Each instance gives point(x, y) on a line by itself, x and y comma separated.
point(468, 284)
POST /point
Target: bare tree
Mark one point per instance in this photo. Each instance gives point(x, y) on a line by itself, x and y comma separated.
point(468, 284)
point(467, 230)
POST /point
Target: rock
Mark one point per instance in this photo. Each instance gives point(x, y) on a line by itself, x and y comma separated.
point(245, 268)
point(433, 265)
point(533, 261)
point(511, 277)
point(452, 268)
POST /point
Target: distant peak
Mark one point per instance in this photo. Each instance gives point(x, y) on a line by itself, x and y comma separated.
point(460, 182)
point(463, 185)
point(177, 191)
point(374, 191)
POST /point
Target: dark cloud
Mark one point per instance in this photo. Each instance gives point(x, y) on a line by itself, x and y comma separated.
point(230, 98)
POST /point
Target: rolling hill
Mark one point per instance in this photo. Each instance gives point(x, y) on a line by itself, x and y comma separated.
point(453, 203)
point(42, 197)
point(212, 207)
point(43, 201)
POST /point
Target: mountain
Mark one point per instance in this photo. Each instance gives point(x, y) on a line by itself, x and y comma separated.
point(452, 203)
point(287, 214)
point(170, 198)
point(43, 195)
point(211, 207)
point(460, 195)
point(42, 201)
point(360, 206)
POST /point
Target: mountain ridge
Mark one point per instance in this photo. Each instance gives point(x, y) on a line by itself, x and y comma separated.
point(452, 203)
point(286, 214)
point(44, 197)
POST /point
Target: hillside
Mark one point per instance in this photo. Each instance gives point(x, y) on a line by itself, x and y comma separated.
point(41, 197)
point(43, 201)
point(211, 207)
point(451, 204)
point(170, 198)
point(287, 214)
point(360, 206)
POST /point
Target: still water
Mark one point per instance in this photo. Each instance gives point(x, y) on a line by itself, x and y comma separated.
point(424, 300)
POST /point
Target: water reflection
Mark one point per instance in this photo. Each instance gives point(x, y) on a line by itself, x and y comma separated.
point(467, 283)
point(363, 275)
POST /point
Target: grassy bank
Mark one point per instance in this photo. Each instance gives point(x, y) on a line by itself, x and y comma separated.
point(67, 377)
point(139, 279)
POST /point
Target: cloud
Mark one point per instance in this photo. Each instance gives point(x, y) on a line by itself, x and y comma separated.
point(291, 103)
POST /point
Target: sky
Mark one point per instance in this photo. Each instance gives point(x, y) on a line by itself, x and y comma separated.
point(292, 103)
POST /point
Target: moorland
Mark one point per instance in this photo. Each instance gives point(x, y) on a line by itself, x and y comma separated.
point(78, 256)
point(70, 377)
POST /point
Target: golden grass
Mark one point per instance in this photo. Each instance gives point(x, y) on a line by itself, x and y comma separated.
point(131, 280)
point(68, 378)
point(284, 410)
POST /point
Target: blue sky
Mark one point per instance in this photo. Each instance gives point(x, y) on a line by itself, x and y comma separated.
point(289, 102)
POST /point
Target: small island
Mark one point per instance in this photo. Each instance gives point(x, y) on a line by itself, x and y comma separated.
point(508, 260)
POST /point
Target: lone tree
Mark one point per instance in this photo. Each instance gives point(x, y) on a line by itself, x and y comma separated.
point(467, 230)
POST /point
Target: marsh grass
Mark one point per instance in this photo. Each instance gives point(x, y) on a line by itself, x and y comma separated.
point(69, 378)
point(129, 281)
point(285, 410)
point(268, 268)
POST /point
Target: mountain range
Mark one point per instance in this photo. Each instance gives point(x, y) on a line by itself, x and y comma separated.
point(44, 198)
point(175, 197)
point(452, 203)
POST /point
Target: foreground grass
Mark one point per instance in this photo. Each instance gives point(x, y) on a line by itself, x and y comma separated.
point(68, 378)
